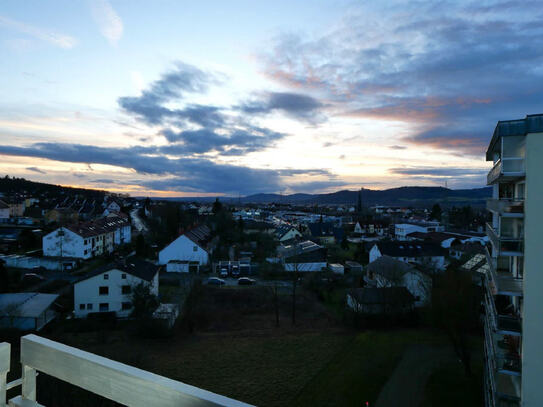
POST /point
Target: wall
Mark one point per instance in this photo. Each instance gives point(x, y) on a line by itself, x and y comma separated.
point(182, 248)
point(69, 245)
point(87, 292)
point(532, 352)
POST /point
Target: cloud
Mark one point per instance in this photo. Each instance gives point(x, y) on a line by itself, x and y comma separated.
point(438, 171)
point(150, 107)
point(396, 147)
point(109, 22)
point(36, 169)
point(295, 105)
point(52, 37)
point(450, 73)
point(176, 174)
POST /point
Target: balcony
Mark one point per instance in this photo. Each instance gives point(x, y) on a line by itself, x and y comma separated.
point(506, 169)
point(505, 246)
point(115, 381)
point(502, 282)
point(513, 208)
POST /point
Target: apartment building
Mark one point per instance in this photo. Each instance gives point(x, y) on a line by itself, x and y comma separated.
point(88, 239)
point(514, 286)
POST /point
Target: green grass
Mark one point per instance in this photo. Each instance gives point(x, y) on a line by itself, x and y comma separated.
point(449, 386)
point(357, 373)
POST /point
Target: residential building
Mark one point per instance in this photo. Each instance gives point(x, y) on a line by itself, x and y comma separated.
point(191, 246)
point(26, 311)
point(427, 254)
point(4, 210)
point(389, 272)
point(61, 216)
point(325, 232)
point(109, 288)
point(380, 300)
point(89, 239)
point(287, 233)
point(303, 257)
point(513, 300)
point(401, 230)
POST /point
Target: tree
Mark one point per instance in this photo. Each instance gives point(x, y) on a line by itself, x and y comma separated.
point(217, 206)
point(144, 302)
point(140, 245)
point(359, 202)
point(4, 278)
point(436, 212)
point(345, 243)
point(455, 309)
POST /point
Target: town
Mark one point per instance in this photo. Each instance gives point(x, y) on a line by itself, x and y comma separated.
point(275, 204)
point(106, 271)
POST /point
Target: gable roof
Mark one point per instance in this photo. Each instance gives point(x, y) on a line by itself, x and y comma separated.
point(99, 226)
point(3, 205)
point(389, 267)
point(132, 265)
point(199, 235)
point(411, 249)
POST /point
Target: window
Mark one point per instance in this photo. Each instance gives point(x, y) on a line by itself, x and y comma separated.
point(85, 252)
point(126, 289)
point(123, 276)
point(89, 306)
point(106, 276)
point(104, 306)
point(104, 290)
point(81, 306)
point(195, 249)
point(85, 242)
point(126, 306)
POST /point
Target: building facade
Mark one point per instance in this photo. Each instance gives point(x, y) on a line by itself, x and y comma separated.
point(513, 287)
point(109, 289)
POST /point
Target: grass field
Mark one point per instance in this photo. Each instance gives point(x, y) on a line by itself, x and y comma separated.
point(238, 352)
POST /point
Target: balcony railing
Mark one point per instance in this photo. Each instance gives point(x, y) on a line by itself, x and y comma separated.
point(508, 168)
point(512, 246)
point(502, 281)
point(511, 207)
point(115, 381)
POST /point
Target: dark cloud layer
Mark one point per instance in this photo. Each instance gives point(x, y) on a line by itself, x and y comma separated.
point(177, 174)
point(295, 105)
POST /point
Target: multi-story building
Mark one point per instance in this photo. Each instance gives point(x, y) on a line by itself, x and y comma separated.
point(89, 239)
point(514, 286)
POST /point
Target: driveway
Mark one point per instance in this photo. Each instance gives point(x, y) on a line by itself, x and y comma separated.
point(406, 386)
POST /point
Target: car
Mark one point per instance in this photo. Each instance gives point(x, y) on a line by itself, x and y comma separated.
point(215, 281)
point(223, 273)
point(235, 271)
point(32, 278)
point(246, 281)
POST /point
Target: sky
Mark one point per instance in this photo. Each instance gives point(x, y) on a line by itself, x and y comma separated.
point(211, 98)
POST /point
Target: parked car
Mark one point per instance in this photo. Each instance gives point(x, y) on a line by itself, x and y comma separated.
point(235, 271)
point(223, 273)
point(215, 281)
point(246, 281)
point(32, 278)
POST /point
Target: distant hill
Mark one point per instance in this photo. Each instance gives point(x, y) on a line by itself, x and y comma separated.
point(9, 186)
point(404, 196)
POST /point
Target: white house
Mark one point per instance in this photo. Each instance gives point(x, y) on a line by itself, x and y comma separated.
point(109, 288)
point(190, 246)
point(89, 239)
point(389, 272)
point(424, 253)
point(286, 233)
point(113, 206)
point(4, 210)
point(401, 230)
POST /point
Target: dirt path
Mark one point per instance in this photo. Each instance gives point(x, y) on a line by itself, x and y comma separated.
point(405, 387)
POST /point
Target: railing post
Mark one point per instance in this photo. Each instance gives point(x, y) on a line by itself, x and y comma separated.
point(5, 350)
point(29, 383)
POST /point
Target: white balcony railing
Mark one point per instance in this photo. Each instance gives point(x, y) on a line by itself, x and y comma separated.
point(507, 167)
point(115, 381)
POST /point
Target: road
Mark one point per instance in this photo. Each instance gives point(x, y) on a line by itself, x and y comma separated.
point(138, 223)
point(406, 385)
